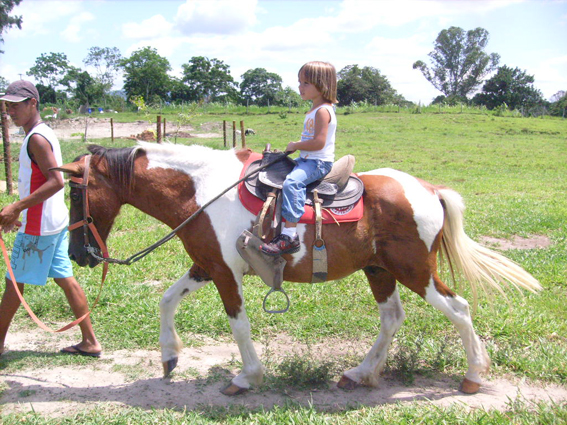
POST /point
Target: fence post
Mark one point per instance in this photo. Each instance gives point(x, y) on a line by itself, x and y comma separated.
point(224, 132)
point(234, 134)
point(7, 153)
point(158, 125)
point(112, 129)
point(242, 134)
point(164, 132)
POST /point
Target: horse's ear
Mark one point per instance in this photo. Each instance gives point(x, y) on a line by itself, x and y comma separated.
point(74, 168)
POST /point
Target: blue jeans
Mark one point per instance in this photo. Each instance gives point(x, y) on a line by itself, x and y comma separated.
point(306, 171)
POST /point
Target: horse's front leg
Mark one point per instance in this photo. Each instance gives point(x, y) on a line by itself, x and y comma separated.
point(252, 372)
point(169, 341)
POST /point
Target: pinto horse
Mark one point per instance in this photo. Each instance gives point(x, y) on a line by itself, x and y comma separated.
point(406, 222)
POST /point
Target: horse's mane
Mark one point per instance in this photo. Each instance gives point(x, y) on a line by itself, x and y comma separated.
point(119, 161)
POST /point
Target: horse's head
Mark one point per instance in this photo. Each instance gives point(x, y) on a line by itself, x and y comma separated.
point(101, 208)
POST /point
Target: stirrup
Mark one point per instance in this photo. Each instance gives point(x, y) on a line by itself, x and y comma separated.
point(276, 311)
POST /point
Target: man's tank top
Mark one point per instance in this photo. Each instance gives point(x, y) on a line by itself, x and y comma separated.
point(51, 216)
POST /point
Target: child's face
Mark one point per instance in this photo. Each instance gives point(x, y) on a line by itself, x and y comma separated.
point(307, 90)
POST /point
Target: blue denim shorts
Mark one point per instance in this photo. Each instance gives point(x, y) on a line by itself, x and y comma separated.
point(36, 258)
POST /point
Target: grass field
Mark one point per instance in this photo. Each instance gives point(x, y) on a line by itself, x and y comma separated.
point(511, 173)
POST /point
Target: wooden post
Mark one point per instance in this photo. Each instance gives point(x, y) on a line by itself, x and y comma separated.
point(112, 129)
point(224, 132)
point(164, 132)
point(6, 141)
point(234, 134)
point(242, 135)
point(158, 125)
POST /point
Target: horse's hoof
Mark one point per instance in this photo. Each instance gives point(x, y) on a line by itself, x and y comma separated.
point(347, 384)
point(168, 366)
point(469, 387)
point(232, 390)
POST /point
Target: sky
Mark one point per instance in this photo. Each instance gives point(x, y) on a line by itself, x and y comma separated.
point(280, 36)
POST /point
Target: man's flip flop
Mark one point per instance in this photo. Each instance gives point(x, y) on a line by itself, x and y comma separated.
point(79, 352)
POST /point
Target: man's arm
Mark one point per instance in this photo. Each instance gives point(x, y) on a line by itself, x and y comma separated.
point(41, 153)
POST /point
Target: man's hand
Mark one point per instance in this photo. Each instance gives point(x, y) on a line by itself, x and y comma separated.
point(9, 215)
point(11, 227)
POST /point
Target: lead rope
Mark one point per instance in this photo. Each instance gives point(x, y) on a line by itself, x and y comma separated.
point(139, 255)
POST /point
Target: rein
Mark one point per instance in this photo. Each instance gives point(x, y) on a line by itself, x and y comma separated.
point(87, 222)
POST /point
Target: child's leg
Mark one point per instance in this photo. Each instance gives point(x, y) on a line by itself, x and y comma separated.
point(294, 188)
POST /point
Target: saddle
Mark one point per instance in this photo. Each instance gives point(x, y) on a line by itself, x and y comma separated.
point(340, 188)
point(335, 198)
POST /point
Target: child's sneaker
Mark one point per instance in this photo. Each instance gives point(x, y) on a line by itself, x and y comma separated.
point(281, 244)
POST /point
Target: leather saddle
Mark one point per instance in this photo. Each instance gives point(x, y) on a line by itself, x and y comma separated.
point(339, 188)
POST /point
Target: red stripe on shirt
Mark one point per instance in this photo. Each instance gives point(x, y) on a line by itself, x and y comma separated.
point(33, 226)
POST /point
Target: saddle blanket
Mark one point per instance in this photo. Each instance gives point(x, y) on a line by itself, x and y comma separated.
point(254, 204)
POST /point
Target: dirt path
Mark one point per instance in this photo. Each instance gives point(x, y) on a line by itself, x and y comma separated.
point(133, 378)
point(98, 128)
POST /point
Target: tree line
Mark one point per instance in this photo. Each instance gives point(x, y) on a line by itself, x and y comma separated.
point(459, 68)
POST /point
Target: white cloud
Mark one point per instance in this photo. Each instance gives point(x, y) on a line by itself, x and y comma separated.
point(155, 27)
point(216, 16)
point(303, 34)
point(165, 46)
point(362, 15)
point(550, 76)
point(74, 32)
point(37, 15)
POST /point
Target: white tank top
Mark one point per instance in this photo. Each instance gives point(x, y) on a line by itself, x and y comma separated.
point(328, 151)
point(51, 216)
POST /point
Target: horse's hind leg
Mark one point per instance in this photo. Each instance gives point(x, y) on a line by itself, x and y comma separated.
point(383, 285)
point(169, 341)
point(457, 311)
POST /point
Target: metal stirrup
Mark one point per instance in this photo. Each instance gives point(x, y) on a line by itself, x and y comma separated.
point(276, 311)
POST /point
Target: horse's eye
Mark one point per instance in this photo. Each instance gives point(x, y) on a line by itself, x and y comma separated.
point(75, 197)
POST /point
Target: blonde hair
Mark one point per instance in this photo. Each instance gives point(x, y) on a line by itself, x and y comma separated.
point(323, 76)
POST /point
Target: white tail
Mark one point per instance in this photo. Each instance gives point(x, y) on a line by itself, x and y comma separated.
point(478, 264)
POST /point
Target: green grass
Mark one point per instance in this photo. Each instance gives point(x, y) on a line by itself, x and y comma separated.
point(511, 173)
point(517, 412)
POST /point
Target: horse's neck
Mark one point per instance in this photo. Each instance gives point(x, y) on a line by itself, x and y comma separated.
point(167, 201)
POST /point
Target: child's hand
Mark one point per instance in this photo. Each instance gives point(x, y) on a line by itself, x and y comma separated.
point(291, 147)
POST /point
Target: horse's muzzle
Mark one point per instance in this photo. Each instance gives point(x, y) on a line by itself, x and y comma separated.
point(84, 259)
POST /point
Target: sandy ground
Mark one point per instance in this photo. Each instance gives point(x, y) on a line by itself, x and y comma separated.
point(133, 379)
point(97, 128)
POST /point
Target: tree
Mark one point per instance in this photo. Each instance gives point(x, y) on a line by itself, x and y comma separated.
point(7, 21)
point(179, 91)
point(558, 105)
point(145, 74)
point(3, 84)
point(459, 61)
point(288, 97)
point(84, 89)
point(47, 94)
point(512, 87)
point(106, 62)
point(365, 84)
point(260, 86)
point(209, 79)
point(49, 69)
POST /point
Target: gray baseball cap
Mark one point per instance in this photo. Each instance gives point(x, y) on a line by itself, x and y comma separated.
point(19, 91)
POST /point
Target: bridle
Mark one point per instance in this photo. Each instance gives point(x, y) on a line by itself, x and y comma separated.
point(87, 223)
